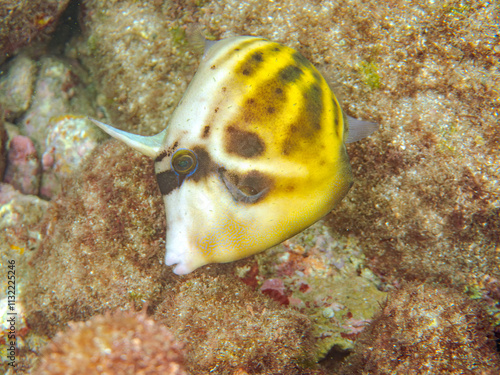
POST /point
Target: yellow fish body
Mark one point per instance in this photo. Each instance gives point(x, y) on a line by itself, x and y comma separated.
point(253, 154)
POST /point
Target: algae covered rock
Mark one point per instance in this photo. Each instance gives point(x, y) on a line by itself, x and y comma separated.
point(227, 327)
point(426, 330)
point(137, 52)
point(104, 242)
point(25, 22)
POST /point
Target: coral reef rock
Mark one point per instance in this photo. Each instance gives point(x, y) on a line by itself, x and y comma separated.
point(103, 243)
point(426, 330)
point(69, 140)
point(23, 166)
point(227, 327)
point(115, 344)
point(60, 90)
point(16, 86)
point(23, 22)
point(140, 60)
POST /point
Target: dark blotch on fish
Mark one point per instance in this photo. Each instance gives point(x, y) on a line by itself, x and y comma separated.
point(205, 164)
point(206, 131)
point(243, 143)
point(290, 73)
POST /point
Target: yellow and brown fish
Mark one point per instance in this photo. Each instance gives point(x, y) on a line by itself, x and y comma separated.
point(253, 154)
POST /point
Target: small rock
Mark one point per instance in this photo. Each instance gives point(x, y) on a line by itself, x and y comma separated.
point(23, 167)
point(17, 209)
point(59, 91)
point(69, 140)
point(16, 87)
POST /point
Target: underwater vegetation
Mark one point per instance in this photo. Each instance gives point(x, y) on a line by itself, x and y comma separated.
point(420, 226)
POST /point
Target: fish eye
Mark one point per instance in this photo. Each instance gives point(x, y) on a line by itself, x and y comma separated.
point(184, 162)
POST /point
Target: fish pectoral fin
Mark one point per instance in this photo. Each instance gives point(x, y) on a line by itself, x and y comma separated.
point(359, 129)
point(149, 146)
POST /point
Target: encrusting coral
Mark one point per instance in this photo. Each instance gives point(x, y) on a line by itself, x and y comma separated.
point(228, 327)
point(424, 329)
point(122, 343)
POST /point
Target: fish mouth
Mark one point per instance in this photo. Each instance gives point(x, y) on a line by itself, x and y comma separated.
point(243, 190)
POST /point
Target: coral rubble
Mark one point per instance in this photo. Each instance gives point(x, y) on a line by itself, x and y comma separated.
point(426, 330)
point(59, 90)
point(325, 278)
point(121, 343)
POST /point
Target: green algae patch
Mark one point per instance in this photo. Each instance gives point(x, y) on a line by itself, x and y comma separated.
point(369, 74)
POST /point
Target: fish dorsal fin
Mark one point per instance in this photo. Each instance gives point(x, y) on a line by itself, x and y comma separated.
point(149, 146)
point(208, 44)
point(359, 129)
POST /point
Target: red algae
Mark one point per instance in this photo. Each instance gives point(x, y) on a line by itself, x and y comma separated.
point(24, 22)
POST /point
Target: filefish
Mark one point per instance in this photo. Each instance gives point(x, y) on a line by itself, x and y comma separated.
point(253, 154)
